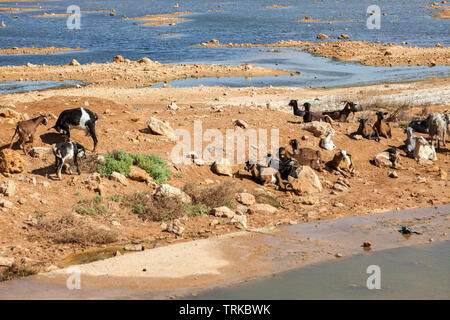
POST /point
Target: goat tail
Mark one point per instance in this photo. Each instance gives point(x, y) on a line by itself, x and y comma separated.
point(14, 135)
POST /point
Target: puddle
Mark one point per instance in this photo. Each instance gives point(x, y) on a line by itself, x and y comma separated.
point(418, 272)
point(25, 86)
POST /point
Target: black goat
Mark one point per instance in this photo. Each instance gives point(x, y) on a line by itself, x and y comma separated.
point(343, 114)
point(297, 111)
point(79, 118)
point(420, 126)
point(312, 116)
point(65, 151)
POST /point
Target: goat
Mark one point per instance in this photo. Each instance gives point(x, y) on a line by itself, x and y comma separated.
point(26, 130)
point(312, 116)
point(437, 126)
point(304, 156)
point(262, 174)
point(342, 115)
point(78, 118)
point(382, 128)
point(423, 150)
point(389, 158)
point(410, 142)
point(296, 109)
point(342, 161)
point(65, 151)
point(420, 126)
point(326, 142)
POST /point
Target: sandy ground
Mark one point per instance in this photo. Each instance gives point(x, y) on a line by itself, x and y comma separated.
point(122, 125)
point(364, 52)
point(161, 19)
point(140, 73)
point(188, 268)
point(34, 50)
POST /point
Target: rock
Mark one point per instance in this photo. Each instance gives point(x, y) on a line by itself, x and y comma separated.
point(74, 63)
point(10, 114)
point(222, 167)
point(133, 247)
point(338, 255)
point(245, 198)
point(383, 160)
point(240, 219)
point(393, 174)
point(344, 36)
point(160, 127)
point(307, 181)
point(6, 204)
point(214, 222)
point(117, 253)
point(212, 41)
point(262, 208)
point(101, 159)
point(139, 174)
point(6, 262)
point(442, 174)
point(338, 205)
point(240, 123)
point(116, 176)
point(438, 45)
point(118, 58)
point(145, 60)
point(175, 227)
point(172, 106)
point(11, 161)
point(322, 36)
point(307, 200)
point(223, 212)
point(166, 190)
point(366, 244)
point(317, 128)
point(357, 137)
point(8, 188)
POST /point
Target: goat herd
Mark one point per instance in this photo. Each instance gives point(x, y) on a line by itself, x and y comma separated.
point(277, 170)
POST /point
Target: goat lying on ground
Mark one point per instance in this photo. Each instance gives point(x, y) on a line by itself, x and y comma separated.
point(326, 142)
point(26, 130)
point(310, 116)
point(423, 150)
point(297, 111)
point(65, 151)
point(342, 115)
point(303, 156)
point(389, 158)
point(262, 174)
point(79, 118)
point(410, 142)
point(367, 131)
point(381, 126)
point(437, 126)
point(342, 161)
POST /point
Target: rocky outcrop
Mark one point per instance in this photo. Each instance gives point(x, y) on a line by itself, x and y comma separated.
point(115, 176)
point(11, 161)
point(222, 167)
point(262, 208)
point(166, 190)
point(223, 212)
point(245, 198)
point(307, 181)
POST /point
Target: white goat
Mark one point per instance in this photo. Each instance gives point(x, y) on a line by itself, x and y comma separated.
point(326, 142)
point(423, 150)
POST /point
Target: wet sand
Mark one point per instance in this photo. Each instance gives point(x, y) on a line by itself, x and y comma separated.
point(189, 268)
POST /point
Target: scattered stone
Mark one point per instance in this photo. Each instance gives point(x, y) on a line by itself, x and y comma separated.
point(222, 167)
point(245, 198)
point(393, 174)
point(317, 128)
point(344, 36)
point(322, 36)
point(240, 123)
point(133, 247)
point(338, 205)
point(307, 200)
point(175, 227)
point(11, 161)
point(139, 174)
point(357, 137)
point(262, 208)
point(6, 204)
point(8, 188)
point(223, 212)
point(166, 190)
point(172, 106)
point(214, 222)
point(118, 58)
point(366, 244)
point(6, 262)
point(240, 219)
point(10, 114)
point(74, 63)
point(338, 255)
point(116, 176)
point(117, 253)
point(160, 127)
point(145, 60)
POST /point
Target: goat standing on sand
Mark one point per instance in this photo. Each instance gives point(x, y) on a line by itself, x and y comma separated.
point(79, 118)
point(437, 126)
point(65, 151)
point(26, 130)
point(381, 126)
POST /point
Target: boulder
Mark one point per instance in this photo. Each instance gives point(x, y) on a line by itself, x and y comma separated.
point(10, 114)
point(344, 36)
point(307, 200)
point(307, 181)
point(166, 190)
point(245, 198)
point(160, 127)
point(139, 174)
point(223, 212)
point(222, 167)
point(6, 261)
point(6, 204)
point(8, 188)
point(11, 161)
point(262, 208)
point(240, 220)
point(176, 227)
point(74, 63)
point(317, 128)
point(116, 176)
point(382, 160)
point(118, 58)
point(133, 247)
point(145, 60)
point(322, 36)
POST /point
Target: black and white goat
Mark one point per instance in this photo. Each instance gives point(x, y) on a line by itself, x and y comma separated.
point(65, 151)
point(78, 118)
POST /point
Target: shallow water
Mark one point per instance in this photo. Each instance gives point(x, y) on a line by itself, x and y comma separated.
point(25, 86)
point(241, 21)
point(419, 272)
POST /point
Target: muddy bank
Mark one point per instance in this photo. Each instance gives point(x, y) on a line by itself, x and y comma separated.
point(170, 272)
point(34, 50)
point(366, 53)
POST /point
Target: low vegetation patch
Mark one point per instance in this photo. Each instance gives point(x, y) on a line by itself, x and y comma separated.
point(212, 196)
point(267, 199)
point(155, 208)
point(120, 161)
point(91, 207)
point(15, 271)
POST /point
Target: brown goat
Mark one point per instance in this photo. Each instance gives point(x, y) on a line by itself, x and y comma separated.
point(303, 156)
point(26, 130)
point(342, 115)
point(381, 126)
point(342, 161)
point(367, 131)
point(263, 175)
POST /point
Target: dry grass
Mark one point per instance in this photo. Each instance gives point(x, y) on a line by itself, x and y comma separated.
point(70, 229)
point(155, 208)
point(213, 196)
point(88, 165)
point(15, 271)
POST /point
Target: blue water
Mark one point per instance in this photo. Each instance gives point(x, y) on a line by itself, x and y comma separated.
point(105, 36)
point(25, 86)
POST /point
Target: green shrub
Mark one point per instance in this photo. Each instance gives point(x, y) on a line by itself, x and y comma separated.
point(120, 161)
point(196, 209)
